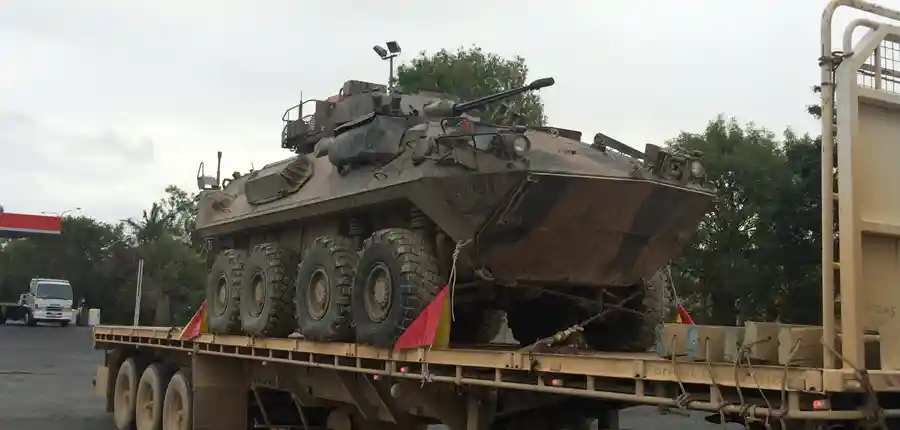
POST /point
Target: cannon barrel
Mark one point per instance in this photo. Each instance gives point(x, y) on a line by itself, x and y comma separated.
point(459, 108)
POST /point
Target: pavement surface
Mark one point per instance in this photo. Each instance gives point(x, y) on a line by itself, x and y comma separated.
point(46, 375)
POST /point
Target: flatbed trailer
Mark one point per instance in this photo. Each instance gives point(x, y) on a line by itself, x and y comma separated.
point(151, 375)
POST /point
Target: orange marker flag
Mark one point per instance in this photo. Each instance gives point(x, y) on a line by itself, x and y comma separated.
point(196, 325)
point(431, 327)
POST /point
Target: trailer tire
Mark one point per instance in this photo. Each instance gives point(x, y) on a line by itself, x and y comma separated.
point(223, 292)
point(177, 410)
point(323, 288)
point(149, 398)
point(124, 399)
point(267, 293)
point(396, 278)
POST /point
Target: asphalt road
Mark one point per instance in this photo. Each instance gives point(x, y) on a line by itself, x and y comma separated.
point(46, 374)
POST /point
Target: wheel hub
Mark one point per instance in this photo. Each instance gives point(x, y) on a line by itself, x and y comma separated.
point(318, 294)
point(175, 416)
point(378, 292)
point(259, 293)
point(221, 295)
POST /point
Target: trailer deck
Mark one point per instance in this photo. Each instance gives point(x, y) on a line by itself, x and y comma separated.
point(635, 378)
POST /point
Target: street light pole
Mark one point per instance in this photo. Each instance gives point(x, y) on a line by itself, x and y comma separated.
point(63, 213)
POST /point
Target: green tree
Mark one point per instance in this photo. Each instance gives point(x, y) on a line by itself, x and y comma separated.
point(721, 270)
point(153, 224)
point(471, 73)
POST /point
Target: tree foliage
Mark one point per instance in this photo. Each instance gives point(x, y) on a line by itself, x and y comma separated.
point(757, 254)
point(471, 73)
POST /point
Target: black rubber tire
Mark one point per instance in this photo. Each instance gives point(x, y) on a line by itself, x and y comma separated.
point(124, 393)
point(414, 284)
point(618, 330)
point(337, 258)
point(63, 323)
point(151, 389)
point(29, 319)
point(178, 396)
point(276, 318)
point(475, 325)
point(228, 267)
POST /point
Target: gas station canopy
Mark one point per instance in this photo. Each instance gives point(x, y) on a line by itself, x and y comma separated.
point(13, 225)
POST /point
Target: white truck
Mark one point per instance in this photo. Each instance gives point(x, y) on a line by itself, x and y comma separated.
point(47, 300)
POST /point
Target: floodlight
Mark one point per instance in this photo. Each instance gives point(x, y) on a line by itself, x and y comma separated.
point(394, 47)
point(380, 51)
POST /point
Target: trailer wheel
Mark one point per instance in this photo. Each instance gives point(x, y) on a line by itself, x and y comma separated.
point(124, 398)
point(176, 411)
point(149, 399)
point(223, 292)
point(396, 278)
point(323, 285)
point(267, 294)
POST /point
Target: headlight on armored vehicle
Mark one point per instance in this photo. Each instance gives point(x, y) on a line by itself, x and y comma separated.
point(697, 169)
point(522, 144)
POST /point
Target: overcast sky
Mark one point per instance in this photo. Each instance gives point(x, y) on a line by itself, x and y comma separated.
point(103, 103)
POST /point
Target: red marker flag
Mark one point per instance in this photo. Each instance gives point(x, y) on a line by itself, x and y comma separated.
point(683, 316)
point(431, 327)
point(196, 325)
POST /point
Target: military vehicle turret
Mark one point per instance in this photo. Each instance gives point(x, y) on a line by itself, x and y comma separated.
point(389, 196)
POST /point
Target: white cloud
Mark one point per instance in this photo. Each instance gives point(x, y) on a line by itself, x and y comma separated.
point(103, 103)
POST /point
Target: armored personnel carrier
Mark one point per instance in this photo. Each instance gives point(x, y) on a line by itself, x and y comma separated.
point(388, 197)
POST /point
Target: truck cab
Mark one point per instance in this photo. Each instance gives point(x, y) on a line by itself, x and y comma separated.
point(47, 300)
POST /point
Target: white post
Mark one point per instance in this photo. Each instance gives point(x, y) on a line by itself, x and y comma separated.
point(137, 292)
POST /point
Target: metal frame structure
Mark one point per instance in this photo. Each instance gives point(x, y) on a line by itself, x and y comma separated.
point(867, 120)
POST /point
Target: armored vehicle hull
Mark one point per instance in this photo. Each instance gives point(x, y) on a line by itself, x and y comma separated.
point(352, 240)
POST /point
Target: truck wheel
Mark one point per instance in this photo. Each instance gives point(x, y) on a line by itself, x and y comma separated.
point(323, 285)
point(149, 399)
point(63, 323)
point(29, 319)
point(223, 292)
point(267, 295)
point(177, 403)
point(124, 394)
point(396, 278)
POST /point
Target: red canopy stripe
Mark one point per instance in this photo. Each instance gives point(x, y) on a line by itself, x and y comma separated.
point(19, 225)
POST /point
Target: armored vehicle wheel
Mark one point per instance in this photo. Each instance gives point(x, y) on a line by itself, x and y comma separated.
point(396, 278)
point(267, 295)
point(618, 330)
point(223, 292)
point(475, 325)
point(323, 285)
